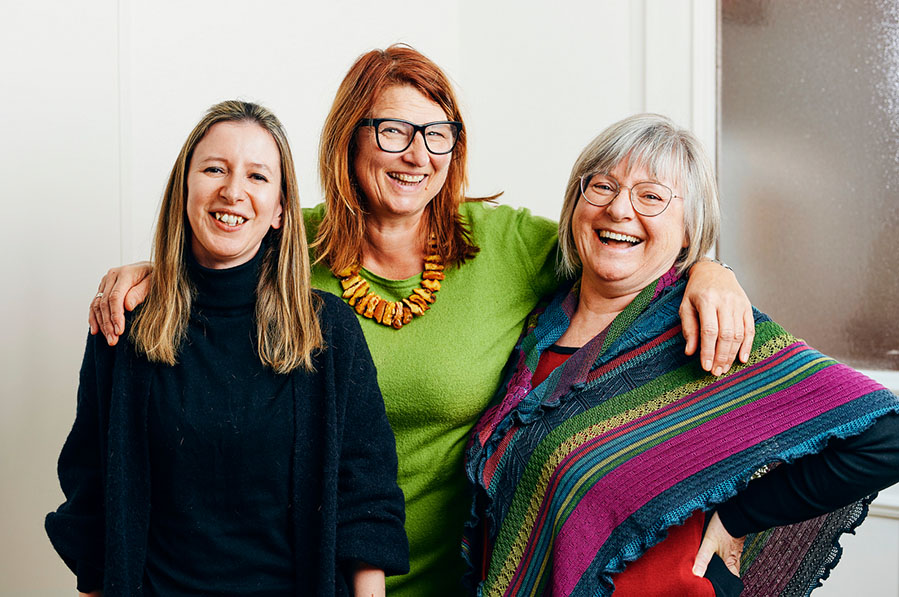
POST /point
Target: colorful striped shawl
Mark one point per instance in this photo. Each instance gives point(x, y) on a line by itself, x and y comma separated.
point(580, 475)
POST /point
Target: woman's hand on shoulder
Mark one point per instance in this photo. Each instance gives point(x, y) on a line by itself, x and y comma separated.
point(716, 315)
point(121, 288)
point(717, 540)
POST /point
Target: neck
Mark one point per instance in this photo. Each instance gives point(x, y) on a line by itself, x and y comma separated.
point(394, 248)
point(597, 307)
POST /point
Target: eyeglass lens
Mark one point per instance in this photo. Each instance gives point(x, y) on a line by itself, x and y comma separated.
point(396, 136)
point(648, 198)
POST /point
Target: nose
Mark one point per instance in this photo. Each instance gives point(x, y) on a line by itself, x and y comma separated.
point(232, 189)
point(417, 153)
point(621, 208)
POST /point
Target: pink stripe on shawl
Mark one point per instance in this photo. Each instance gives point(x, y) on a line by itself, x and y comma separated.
point(652, 472)
point(633, 426)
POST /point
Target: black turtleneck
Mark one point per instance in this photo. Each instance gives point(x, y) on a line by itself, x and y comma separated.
point(220, 428)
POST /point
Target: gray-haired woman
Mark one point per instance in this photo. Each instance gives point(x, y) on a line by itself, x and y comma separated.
point(612, 462)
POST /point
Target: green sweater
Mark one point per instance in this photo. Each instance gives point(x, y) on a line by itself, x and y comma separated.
point(439, 372)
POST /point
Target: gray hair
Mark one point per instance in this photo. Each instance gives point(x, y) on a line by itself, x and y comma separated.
point(667, 151)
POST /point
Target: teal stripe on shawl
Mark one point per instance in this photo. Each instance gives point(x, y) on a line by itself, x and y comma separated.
point(630, 437)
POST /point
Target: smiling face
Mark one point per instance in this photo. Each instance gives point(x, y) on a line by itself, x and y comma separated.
point(398, 185)
point(233, 193)
point(621, 251)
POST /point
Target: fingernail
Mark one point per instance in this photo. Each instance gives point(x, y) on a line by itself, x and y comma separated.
point(109, 338)
point(707, 365)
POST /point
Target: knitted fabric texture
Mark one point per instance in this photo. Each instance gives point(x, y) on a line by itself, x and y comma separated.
point(582, 474)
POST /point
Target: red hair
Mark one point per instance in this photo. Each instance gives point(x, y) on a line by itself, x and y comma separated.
point(342, 230)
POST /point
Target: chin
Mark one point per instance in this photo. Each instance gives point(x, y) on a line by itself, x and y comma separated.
point(613, 272)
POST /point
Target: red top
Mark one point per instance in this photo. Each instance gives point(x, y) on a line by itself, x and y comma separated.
point(665, 568)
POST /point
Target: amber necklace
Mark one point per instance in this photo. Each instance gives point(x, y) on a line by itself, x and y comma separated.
point(356, 291)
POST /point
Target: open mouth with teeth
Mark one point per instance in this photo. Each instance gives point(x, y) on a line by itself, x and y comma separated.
point(406, 179)
point(610, 238)
point(229, 219)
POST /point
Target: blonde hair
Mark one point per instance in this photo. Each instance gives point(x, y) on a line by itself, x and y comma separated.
point(287, 325)
point(342, 230)
point(666, 150)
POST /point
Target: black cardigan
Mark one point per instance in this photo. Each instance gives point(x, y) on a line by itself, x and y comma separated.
point(345, 502)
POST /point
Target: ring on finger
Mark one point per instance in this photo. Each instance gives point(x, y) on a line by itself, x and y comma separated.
point(98, 295)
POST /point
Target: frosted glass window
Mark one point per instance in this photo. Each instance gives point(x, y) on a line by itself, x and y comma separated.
point(809, 168)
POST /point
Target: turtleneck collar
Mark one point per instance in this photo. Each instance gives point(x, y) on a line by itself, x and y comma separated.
point(231, 288)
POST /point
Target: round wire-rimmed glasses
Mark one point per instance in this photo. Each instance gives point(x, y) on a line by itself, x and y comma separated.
point(395, 136)
point(648, 198)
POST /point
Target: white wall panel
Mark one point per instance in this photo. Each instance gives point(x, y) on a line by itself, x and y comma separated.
point(869, 563)
point(669, 31)
point(59, 163)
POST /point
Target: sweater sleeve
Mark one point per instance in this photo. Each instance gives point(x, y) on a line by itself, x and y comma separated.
point(538, 247)
point(370, 504)
point(845, 471)
point(76, 528)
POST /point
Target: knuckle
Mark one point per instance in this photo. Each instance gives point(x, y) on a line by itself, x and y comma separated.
point(709, 332)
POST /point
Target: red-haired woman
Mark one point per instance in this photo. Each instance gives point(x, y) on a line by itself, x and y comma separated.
point(442, 285)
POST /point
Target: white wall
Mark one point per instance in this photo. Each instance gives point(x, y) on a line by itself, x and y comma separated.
point(98, 97)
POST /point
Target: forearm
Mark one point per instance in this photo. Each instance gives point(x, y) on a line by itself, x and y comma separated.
point(845, 471)
point(368, 581)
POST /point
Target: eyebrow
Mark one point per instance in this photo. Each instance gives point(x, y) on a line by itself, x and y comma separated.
point(255, 165)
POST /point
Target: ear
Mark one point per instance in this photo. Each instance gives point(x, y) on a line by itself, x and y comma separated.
point(276, 217)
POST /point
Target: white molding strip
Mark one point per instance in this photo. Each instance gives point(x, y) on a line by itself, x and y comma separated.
point(888, 378)
point(704, 87)
point(638, 55)
point(887, 503)
point(885, 506)
point(126, 197)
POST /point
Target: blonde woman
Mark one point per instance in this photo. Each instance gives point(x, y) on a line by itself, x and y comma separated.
point(236, 442)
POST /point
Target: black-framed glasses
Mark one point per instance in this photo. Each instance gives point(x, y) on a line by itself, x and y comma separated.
point(395, 136)
point(648, 198)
